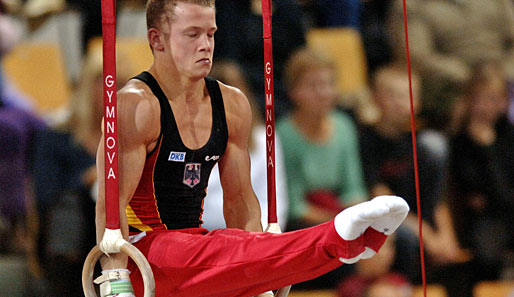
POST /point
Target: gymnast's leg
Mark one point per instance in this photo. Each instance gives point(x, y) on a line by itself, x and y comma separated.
point(233, 262)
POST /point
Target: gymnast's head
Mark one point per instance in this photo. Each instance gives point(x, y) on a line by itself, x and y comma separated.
point(158, 10)
point(183, 30)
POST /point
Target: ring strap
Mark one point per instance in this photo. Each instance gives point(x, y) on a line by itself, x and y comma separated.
point(106, 288)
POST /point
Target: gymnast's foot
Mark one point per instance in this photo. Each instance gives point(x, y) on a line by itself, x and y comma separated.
point(383, 214)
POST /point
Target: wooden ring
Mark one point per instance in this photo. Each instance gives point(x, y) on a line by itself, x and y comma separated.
point(129, 250)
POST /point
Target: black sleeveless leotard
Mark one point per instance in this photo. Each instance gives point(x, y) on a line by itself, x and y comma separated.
point(173, 185)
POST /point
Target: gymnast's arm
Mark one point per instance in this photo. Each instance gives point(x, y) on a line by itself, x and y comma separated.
point(240, 205)
point(138, 131)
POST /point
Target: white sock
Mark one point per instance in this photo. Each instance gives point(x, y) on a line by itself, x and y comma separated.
point(383, 213)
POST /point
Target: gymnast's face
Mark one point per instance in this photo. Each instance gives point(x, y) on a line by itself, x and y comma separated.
point(191, 39)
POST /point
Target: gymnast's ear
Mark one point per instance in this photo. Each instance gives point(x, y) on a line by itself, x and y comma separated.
point(156, 39)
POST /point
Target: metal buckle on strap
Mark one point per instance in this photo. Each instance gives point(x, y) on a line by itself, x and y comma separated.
point(104, 280)
point(112, 275)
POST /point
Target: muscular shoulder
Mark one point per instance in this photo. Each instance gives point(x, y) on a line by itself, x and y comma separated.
point(138, 113)
point(237, 108)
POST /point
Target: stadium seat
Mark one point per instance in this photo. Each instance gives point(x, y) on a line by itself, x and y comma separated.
point(38, 71)
point(433, 290)
point(137, 50)
point(493, 289)
point(344, 46)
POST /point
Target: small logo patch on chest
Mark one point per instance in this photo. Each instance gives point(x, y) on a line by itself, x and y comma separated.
point(177, 156)
point(211, 158)
point(192, 174)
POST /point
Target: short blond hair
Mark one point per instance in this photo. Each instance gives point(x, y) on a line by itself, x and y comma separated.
point(303, 60)
point(157, 9)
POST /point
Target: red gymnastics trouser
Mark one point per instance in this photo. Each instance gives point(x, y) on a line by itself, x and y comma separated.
point(236, 263)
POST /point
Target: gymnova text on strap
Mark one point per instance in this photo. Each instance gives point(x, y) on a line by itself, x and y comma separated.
point(110, 127)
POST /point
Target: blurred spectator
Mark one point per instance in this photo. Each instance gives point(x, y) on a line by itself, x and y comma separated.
point(374, 277)
point(9, 34)
point(375, 36)
point(332, 13)
point(320, 144)
point(320, 148)
point(245, 45)
point(91, 17)
point(8, 37)
point(386, 151)
point(481, 170)
point(64, 174)
point(447, 37)
point(231, 74)
point(18, 129)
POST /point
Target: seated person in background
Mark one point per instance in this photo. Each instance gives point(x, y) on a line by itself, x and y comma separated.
point(447, 37)
point(19, 127)
point(386, 151)
point(481, 171)
point(320, 145)
point(321, 151)
point(230, 73)
point(375, 36)
point(374, 276)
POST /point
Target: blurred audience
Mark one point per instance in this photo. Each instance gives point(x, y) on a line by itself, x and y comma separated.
point(378, 46)
point(386, 150)
point(481, 171)
point(245, 45)
point(449, 42)
point(374, 277)
point(321, 151)
point(64, 175)
point(447, 37)
point(332, 13)
point(230, 73)
point(91, 17)
point(18, 129)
